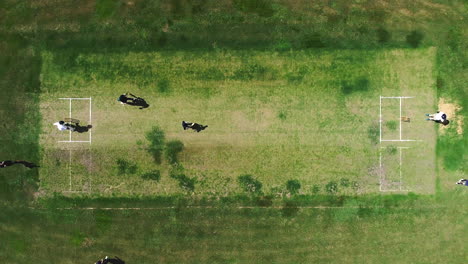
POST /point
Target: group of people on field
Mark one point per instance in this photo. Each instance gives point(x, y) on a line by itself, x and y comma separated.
point(125, 99)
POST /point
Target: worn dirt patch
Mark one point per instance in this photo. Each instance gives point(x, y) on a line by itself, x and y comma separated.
point(451, 109)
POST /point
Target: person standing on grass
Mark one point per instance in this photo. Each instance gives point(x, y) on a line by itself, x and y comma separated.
point(439, 117)
point(61, 125)
point(194, 126)
point(463, 182)
point(7, 163)
point(131, 99)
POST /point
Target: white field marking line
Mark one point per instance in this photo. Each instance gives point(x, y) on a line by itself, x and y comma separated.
point(70, 115)
point(396, 97)
point(400, 118)
point(69, 169)
point(400, 140)
point(90, 122)
point(77, 141)
point(380, 120)
point(400, 170)
point(380, 170)
point(199, 207)
point(75, 98)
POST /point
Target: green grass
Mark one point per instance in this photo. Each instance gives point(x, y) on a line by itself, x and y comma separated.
point(323, 138)
point(369, 229)
point(229, 235)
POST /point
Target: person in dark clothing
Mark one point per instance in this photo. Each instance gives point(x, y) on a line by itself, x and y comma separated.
point(106, 260)
point(130, 99)
point(463, 182)
point(194, 126)
point(7, 163)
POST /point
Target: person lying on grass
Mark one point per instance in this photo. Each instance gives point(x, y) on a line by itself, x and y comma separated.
point(439, 117)
point(7, 163)
point(194, 126)
point(130, 99)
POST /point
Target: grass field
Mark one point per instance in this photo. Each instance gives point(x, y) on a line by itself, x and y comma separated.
point(277, 116)
point(291, 91)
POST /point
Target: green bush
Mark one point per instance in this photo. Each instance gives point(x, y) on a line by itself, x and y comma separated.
point(249, 184)
point(345, 182)
point(164, 86)
point(373, 133)
point(383, 36)
point(313, 40)
point(156, 140)
point(282, 115)
point(414, 38)
point(154, 175)
point(293, 186)
point(173, 148)
point(331, 187)
point(126, 167)
point(359, 85)
point(186, 183)
point(391, 125)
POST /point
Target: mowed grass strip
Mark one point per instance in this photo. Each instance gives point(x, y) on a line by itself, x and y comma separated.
point(302, 115)
point(230, 235)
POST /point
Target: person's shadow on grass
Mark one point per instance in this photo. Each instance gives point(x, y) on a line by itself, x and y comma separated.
point(83, 129)
point(139, 102)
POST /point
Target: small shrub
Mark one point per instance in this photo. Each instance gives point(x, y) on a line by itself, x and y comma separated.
point(331, 187)
point(315, 189)
point(249, 184)
point(344, 182)
point(383, 36)
point(414, 38)
point(154, 175)
point(163, 86)
point(156, 140)
point(186, 183)
point(359, 85)
point(126, 167)
point(373, 133)
point(282, 115)
point(313, 40)
point(173, 148)
point(392, 150)
point(391, 125)
point(293, 186)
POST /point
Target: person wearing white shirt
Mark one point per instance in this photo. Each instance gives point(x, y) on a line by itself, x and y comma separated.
point(62, 126)
point(439, 117)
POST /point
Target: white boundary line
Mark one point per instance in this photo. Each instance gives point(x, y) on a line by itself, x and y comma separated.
point(69, 170)
point(400, 118)
point(90, 120)
point(380, 118)
point(70, 116)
